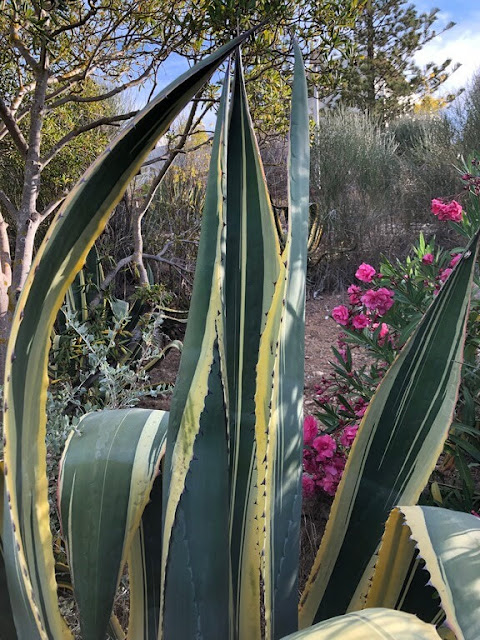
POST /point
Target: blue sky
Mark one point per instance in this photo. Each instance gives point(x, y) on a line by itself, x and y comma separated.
point(461, 43)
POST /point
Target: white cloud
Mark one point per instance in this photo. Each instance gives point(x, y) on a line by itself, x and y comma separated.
point(460, 44)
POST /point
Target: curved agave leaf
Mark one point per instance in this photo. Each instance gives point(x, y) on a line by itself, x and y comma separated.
point(7, 624)
point(397, 446)
point(78, 223)
point(195, 596)
point(144, 570)
point(255, 288)
point(400, 580)
point(449, 543)
point(371, 624)
point(283, 487)
point(256, 280)
point(106, 477)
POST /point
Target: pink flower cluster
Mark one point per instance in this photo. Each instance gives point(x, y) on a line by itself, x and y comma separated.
point(447, 211)
point(323, 458)
point(374, 303)
point(379, 300)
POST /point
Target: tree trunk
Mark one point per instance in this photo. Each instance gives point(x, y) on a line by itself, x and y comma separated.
point(24, 250)
point(28, 219)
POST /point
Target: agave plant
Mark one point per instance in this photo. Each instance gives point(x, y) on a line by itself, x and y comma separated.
point(203, 504)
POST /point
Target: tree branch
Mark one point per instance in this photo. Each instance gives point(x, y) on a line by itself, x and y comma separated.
point(8, 204)
point(51, 208)
point(74, 25)
point(21, 48)
point(13, 128)
point(5, 257)
point(169, 161)
point(103, 96)
point(109, 120)
point(129, 259)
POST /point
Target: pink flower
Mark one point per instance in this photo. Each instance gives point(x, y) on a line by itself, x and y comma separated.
point(325, 447)
point(308, 486)
point(354, 292)
point(331, 470)
point(329, 485)
point(360, 407)
point(339, 461)
point(379, 300)
point(428, 258)
point(437, 206)
point(444, 273)
point(455, 260)
point(365, 272)
point(383, 330)
point(310, 429)
point(360, 321)
point(341, 314)
point(348, 435)
point(451, 211)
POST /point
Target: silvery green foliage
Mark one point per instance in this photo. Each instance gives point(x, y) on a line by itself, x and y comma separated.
point(117, 385)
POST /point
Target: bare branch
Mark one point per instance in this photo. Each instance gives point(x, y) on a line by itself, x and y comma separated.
point(169, 160)
point(159, 257)
point(109, 120)
point(5, 257)
point(74, 25)
point(21, 48)
point(109, 278)
point(13, 128)
point(8, 204)
point(103, 96)
point(181, 270)
point(51, 208)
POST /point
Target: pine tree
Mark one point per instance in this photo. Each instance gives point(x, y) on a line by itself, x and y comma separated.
point(384, 78)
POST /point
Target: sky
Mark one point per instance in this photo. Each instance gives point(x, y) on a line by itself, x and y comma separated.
point(461, 43)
